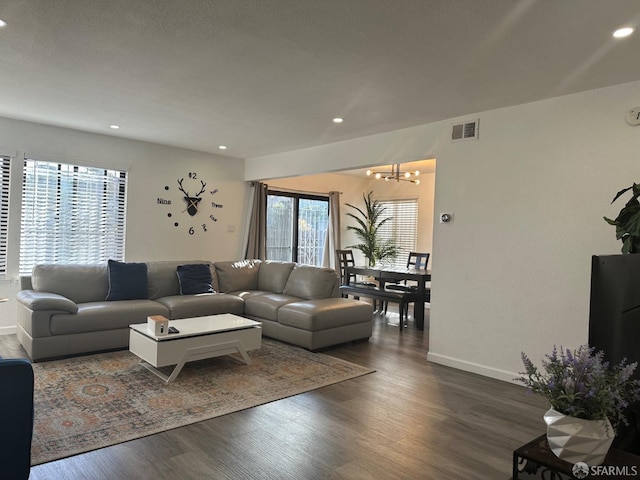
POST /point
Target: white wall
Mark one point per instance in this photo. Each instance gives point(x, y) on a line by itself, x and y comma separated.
point(511, 272)
point(150, 233)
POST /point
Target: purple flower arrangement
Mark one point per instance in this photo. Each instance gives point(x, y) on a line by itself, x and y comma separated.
point(581, 384)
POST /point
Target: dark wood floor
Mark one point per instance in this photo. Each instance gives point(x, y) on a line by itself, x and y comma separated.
point(409, 420)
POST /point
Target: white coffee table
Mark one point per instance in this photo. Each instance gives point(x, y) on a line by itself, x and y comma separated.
point(199, 338)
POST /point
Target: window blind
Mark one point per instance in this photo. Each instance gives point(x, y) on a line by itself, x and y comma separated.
point(402, 229)
point(71, 214)
point(5, 161)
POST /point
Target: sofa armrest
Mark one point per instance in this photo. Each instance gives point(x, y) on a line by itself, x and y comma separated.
point(46, 301)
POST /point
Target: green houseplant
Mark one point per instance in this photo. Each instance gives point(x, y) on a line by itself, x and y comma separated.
point(627, 222)
point(369, 220)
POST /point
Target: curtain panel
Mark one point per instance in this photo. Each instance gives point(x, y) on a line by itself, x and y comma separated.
point(256, 245)
point(332, 241)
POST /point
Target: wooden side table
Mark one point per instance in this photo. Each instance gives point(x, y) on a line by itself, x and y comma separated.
point(535, 460)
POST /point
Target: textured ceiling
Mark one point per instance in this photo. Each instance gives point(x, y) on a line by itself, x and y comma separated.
point(266, 76)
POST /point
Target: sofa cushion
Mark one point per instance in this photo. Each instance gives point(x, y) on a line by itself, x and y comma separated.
point(181, 306)
point(311, 282)
point(99, 316)
point(326, 313)
point(273, 276)
point(80, 283)
point(242, 275)
point(163, 281)
point(194, 278)
point(266, 305)
point(127, 281)
point(244, 294)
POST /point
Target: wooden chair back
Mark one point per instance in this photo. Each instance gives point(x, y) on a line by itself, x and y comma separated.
point(418, 260)
point(344, 259)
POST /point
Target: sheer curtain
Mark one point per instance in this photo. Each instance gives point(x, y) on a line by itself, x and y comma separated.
point(256, 242)
point(332, 241)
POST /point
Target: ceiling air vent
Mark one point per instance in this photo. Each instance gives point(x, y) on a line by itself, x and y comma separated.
point(465, 131)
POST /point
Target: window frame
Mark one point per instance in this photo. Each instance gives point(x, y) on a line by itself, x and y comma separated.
point(297, 196)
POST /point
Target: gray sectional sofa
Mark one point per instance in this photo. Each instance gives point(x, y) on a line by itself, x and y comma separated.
point(62, 308)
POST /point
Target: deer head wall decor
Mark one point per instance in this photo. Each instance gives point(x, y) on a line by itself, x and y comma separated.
point(192, 202)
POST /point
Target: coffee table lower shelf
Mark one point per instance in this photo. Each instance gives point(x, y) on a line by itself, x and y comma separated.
point(200, 338)
point(200, 353)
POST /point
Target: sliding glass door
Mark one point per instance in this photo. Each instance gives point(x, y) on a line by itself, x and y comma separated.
point(296, 227)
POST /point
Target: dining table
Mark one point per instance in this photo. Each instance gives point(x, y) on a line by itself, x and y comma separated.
point(384, 274)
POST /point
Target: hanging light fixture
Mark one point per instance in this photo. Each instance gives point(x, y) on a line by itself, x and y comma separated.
point(396, 174)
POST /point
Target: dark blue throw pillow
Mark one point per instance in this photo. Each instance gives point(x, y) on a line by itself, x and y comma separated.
point(194, 279)
point(127, 281)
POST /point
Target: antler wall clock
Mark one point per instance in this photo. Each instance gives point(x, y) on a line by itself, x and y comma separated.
point(190, 205)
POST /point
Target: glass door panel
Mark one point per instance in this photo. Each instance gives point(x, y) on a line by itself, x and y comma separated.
point(280, 215)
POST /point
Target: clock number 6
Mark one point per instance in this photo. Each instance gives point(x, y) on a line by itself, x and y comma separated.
point(191, 231)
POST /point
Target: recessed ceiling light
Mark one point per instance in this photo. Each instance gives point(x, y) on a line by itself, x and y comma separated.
point(338, 120)
point(115, 127)
point(222, 147)
point(2, 23)
point(623, 32)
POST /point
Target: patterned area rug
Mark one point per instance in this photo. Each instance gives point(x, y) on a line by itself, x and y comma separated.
point(90, 402)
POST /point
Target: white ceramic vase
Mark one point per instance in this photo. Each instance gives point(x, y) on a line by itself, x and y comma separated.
point(578, 440)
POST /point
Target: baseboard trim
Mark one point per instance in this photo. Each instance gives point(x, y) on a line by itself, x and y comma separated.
point(472, 367)
point(8, 330)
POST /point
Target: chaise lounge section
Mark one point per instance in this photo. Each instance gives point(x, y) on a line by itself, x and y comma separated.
point(62, 309)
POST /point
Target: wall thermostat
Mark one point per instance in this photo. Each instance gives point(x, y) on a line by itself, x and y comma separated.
point(633, 116)
point(446, 217)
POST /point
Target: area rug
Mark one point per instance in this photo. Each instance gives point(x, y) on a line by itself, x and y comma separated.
point(94, 401)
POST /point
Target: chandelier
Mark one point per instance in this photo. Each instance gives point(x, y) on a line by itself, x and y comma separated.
point(396, 174)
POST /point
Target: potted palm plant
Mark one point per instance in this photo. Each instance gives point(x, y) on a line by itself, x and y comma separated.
point(627, 222)
point(369, 220)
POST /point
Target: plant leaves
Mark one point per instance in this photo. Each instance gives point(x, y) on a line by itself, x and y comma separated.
point(621, 192)
point(368, 222)
point(627, 222)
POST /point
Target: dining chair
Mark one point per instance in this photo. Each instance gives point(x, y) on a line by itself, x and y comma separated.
point(417, 260)
point(345, 259)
